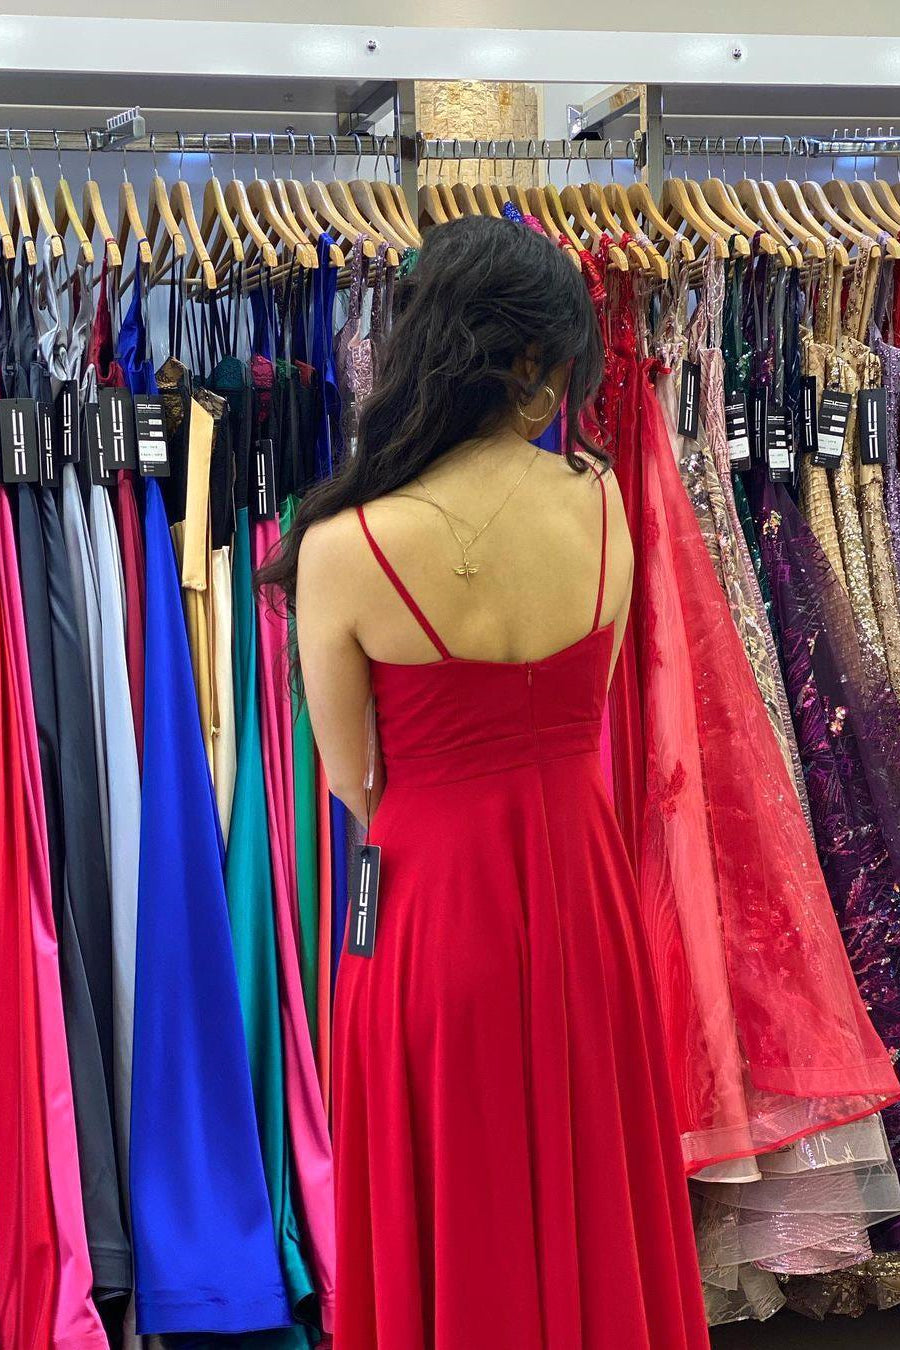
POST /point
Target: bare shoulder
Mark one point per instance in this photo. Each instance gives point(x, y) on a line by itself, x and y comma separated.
point(327, 546)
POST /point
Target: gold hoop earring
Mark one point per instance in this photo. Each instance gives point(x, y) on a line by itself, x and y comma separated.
point(541, 416)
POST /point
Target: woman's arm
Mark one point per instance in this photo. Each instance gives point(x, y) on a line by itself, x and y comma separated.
point(335, 667)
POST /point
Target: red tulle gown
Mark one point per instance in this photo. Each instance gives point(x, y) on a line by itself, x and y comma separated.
point(508, 1163)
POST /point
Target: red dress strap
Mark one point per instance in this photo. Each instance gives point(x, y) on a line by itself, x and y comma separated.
point(599, 474)
point(399, 587)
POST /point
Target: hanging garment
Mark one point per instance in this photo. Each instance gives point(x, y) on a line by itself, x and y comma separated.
point(78, 875)
point(109, 373)
point(124, 785)
point(29, 1255)
point(751, 1071)
point(305, 827)
point(514, 998)
point(205, 1253)
point(248, 879)
point(75, 1322)
point(306, 1115)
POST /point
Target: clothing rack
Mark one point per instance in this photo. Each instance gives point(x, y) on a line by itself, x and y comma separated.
point(212, 142)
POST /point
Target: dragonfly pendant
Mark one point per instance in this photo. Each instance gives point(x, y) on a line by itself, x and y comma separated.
point(467, 570)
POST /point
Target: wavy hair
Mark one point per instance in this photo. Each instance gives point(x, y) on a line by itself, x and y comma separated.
point(484, 293)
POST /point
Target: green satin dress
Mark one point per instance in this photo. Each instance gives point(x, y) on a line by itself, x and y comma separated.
point(248, 881)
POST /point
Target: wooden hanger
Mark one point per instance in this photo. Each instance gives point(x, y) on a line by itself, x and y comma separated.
point(327, 209)
point(182, 209)
point(340, 195)
point(305, 216)
point(130, 223)
point(93, 213)
point(429, 202)
point(839, 194)
point(622, 215)
point(763, 204)
point(462, 192)
point(39, 214)
point(159, 212)
point(641, 201)
point(487, 202)
point(676, 204)
point(20, 223)
point(789, 193)
point(390, 198)
point(65, 214)
point(259, 194)
point(217, 225)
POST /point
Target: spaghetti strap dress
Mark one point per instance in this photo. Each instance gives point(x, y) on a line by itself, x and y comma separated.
point(507, 1155)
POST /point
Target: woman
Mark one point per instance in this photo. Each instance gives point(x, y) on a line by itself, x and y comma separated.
point(508, 1166)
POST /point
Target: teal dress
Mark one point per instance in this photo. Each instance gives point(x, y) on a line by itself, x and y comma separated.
point(248, 882)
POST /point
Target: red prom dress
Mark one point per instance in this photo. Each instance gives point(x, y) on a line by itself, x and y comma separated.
point(508, 1164)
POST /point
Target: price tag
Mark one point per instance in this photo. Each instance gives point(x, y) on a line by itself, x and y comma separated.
point(150, 431)
point(779, 444)
point(689, 409)
point(100, 471)
point(19, 441)
point(834, 414)
point(757, 417)
point(117, 426)
point(872, 426)
point(48, 460)
point(737, 431)
point(807, 422)
point(262, 497)
point(68, 423)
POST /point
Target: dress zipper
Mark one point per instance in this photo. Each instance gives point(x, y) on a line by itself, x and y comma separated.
point(529, 669)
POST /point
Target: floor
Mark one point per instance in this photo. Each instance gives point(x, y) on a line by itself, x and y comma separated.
point(878, 1331)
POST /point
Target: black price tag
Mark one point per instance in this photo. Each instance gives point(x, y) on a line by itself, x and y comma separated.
point(872, 426)
point(807, 421)
point(758, 420)
point(150, 431)
point(263, 481)
point(832, 426)
point(101, 473)
point(117, 427)
point(689, 410)
point(19, 440)
point(779, 444)
point(47, 452)
point(738, 432)
point(68, 423)
point(365, 866)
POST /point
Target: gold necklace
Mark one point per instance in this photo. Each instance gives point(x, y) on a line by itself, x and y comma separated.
point(468, 569)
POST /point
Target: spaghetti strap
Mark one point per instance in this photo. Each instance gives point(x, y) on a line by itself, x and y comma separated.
point(602, 586)
point(399, 587)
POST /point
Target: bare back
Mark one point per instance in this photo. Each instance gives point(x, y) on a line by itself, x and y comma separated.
point(538, 564)
point(536, 591)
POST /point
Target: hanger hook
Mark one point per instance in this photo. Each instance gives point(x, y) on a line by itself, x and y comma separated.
point(545, 154)
point(668, 145)
point(89, 145)
point(387, 159)
point(686, 154)
point(478, 153)
point(311, 150)
point(457, 155)
point(720, 145)
point(609, 157)
point(254, 141)
point(272, 153)
point(332, 146)
point(292, 142)
point(631, 151)
point(567, 145)
point(58, 153)
point(532, 155)
point(708, 164)
point(28, 152)
point(212, 173)
point(492, 156)
point(181, 149)
point(124, 165)
point(740, 146)
point(511, 156)
point(357, 141)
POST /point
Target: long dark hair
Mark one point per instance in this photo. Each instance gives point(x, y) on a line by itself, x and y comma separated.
point(483, 293)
